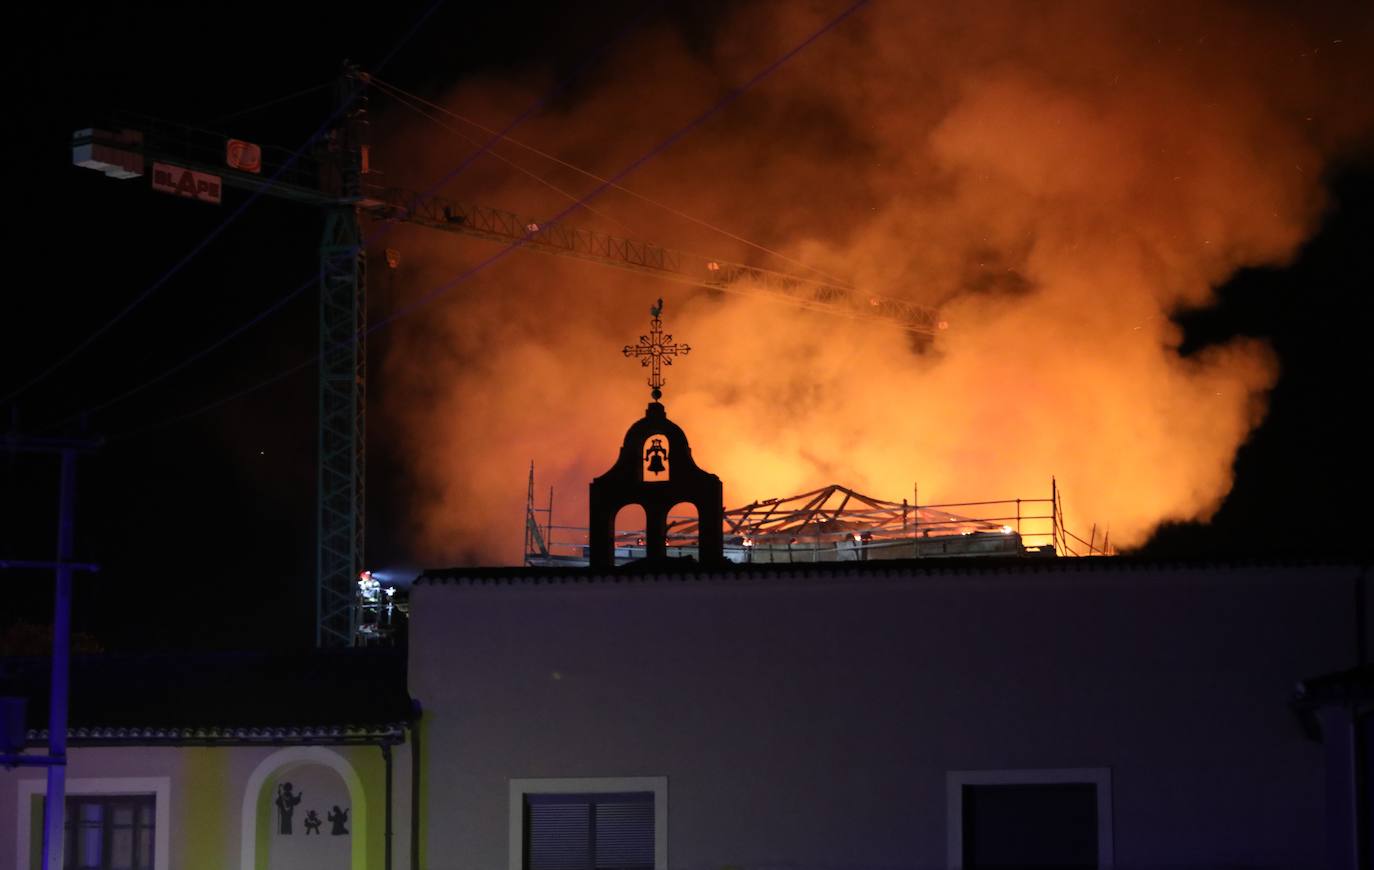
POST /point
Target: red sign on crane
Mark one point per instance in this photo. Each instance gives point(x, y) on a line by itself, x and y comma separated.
point(243, 156)
point(187, 182)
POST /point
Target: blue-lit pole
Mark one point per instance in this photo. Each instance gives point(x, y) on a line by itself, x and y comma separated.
point(55, 806)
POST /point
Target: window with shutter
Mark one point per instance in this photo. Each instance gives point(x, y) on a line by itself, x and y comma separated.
point(1047, 817)
point(109, 832)
point(610, 831)
point(1031, 825)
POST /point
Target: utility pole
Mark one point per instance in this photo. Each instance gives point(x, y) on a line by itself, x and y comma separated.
point(54, 808)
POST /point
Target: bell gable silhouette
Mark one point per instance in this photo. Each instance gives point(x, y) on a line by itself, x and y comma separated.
point(626, 484)
point(654, 476)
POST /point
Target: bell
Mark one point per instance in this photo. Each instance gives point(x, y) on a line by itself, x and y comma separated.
point(656, 463)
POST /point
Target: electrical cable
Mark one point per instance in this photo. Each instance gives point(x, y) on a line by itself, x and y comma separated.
point(215, 233)
point(267, 105)
point(725, 101)
point(419, 110)
point(395, 92)
point(275, 306)
point(572, 197)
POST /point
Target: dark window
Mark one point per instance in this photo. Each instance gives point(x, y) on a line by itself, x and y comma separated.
point(1031, 825)
point(589, 831)
point(109, 832)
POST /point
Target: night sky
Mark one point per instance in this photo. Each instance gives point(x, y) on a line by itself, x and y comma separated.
point(205, 527)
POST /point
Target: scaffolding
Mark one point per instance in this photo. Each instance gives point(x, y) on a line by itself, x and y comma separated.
point(838, 524)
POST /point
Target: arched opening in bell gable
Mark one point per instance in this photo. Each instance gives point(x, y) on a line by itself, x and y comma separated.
point(684, 533)
point(630, 526)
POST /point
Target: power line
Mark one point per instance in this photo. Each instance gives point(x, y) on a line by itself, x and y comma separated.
point(396, 92)
point(267, 105)
point(405, 101)
point(275, 306)
point(728, 99)
point(187, 362)
point(506, 160)
point(672, 139)
point(215, 233)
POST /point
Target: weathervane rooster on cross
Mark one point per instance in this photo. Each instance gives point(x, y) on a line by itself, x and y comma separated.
point(656, 350)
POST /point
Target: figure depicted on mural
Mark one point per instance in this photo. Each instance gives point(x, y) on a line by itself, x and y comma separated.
point(338, 818)
point(286, 807)
point(655, 456)
point(312, 823)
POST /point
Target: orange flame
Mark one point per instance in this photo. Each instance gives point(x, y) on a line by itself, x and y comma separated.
point(1059, 180)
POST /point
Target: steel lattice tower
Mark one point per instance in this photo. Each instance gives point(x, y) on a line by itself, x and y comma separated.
point(343, 377)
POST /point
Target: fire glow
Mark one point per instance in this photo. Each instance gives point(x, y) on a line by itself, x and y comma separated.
point(1058, 180)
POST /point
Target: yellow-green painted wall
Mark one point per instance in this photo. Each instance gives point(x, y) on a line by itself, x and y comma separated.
point(367, 761)
point(207, 787)
point(207, 808)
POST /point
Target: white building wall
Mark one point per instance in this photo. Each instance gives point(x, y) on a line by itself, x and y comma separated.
point(812, 722)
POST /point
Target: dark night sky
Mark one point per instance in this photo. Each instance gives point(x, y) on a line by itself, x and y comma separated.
point(205, 528)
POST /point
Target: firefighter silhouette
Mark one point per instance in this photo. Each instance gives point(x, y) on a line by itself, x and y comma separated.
point(656, 456)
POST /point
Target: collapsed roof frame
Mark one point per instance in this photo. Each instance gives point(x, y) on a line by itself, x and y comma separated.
point(835, 515)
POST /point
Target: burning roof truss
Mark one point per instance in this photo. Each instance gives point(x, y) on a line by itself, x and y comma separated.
point(834, 513)
point(836, 518)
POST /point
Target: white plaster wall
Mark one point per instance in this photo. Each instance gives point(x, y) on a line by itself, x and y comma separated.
point(88, 771)
point(811, 723)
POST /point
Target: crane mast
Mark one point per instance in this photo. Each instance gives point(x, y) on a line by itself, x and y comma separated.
point(194, 162)
point(341, 506)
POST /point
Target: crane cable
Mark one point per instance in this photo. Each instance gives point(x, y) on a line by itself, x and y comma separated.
point(397, 92)
point(725, 101)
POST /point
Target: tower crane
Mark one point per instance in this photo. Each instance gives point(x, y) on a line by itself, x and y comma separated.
point(197, 163)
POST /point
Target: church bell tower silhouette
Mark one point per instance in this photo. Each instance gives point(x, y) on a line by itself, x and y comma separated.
point(655, 470)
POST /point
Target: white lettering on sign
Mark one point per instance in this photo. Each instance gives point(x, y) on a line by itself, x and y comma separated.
point(186, 182)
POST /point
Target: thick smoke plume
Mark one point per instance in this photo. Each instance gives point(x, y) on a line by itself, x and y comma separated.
point(1058, 178)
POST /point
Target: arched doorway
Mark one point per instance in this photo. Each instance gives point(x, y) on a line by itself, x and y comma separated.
point(304, 807)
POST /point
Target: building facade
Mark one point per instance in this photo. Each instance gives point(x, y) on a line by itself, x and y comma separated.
point(1107, 713)
point(1104, 713)
point(249, 762)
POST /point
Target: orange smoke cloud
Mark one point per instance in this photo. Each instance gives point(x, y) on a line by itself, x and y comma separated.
point(1058, 179)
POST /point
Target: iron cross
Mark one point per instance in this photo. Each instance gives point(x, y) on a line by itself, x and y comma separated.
point(656, 350)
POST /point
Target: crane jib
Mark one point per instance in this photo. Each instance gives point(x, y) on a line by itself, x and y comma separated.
point(199, 171)
point(498, 225)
